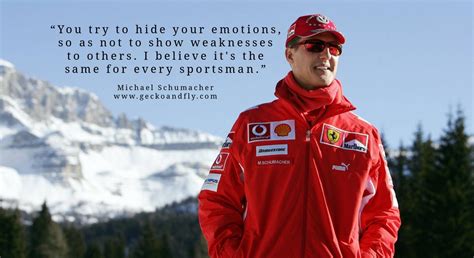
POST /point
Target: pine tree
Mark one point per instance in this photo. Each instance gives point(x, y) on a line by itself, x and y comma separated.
point(12, 242)
point(148, 246)
point(422, 165)
point(93, 251)
point(47, 239)
point(412, 195)
point(454, 229)
point(114, 248)
point(398, 167)
point(75, 242)
point(200, 248)
point(164, 250)
point(444, 203)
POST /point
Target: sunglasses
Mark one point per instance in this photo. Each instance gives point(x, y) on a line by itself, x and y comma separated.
point(318, 46)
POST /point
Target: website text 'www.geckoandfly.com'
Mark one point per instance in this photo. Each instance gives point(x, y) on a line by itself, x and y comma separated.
point(146, 92)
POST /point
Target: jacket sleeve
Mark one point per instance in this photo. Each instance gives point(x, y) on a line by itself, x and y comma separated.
point(221, 202)
point(380, 216)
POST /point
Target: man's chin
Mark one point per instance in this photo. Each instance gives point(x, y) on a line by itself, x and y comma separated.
point(323, 82)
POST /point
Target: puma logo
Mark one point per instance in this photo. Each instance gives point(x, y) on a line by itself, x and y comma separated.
point(343, 167)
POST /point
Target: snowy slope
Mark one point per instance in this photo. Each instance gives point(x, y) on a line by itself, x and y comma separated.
point(63, 146)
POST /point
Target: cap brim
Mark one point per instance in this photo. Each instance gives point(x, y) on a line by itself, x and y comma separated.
point(340, 38)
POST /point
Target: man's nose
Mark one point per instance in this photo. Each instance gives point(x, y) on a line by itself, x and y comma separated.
point(325, 54)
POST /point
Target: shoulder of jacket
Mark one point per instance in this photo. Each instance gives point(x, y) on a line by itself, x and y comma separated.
point(360, 119)
point(366, 124)
point(259, 109)
point(259, 113)
point(359, 122)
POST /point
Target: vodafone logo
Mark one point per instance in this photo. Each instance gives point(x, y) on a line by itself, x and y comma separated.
point(259, 130)
point(221, 160)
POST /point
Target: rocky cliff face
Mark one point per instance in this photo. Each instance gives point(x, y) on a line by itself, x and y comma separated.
point(41, 100)
point(64, 146)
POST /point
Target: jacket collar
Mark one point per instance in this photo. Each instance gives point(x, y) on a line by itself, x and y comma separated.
point(316, 104)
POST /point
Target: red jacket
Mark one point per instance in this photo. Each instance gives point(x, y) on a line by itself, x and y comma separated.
point(299, 179)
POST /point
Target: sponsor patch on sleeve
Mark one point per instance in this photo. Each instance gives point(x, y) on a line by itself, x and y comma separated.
point(211, 182)
point(228, 141)
point(271, 131)
point(339, 138)
point(221, 160)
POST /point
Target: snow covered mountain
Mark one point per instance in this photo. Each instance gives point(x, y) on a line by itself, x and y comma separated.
point(63, 146)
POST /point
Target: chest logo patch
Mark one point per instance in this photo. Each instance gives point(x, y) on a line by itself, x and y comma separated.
point(343, 167)
point(333, 135)
point(339, 138)
point(270, 150)
point(283, 130)
point(271, 131)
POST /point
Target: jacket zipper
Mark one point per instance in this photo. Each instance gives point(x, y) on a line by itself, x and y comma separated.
point(306, 175)
point(308, 149)
point(307, 168)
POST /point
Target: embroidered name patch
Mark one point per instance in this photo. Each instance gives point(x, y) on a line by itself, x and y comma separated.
point(339, 138)
point(271, 131)
point(274, 162)
point(212, 182)
point(269, 150)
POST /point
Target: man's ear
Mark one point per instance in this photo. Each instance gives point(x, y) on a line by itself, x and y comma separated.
point(289, 55)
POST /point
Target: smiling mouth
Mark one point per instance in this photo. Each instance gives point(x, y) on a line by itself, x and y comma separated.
point(323, 68)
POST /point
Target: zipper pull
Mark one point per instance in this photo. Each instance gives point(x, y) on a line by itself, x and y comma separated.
point(308, 135)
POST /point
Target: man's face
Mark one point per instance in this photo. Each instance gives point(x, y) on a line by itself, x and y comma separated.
point(313, 70)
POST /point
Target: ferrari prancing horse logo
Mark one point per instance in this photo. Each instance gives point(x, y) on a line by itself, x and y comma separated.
point(333, 136)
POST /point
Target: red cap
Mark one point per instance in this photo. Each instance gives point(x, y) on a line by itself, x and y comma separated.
point(310, 25)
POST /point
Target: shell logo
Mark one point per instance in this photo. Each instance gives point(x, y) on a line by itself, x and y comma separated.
point(282, 130)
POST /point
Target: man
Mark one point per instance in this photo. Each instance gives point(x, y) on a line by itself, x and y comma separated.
point(302, 176)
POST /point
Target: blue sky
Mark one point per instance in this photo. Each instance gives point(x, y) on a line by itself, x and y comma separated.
point(404, 62)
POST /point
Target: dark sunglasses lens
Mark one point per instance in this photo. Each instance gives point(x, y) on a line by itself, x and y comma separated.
point(335, 50)
point(318, 47)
